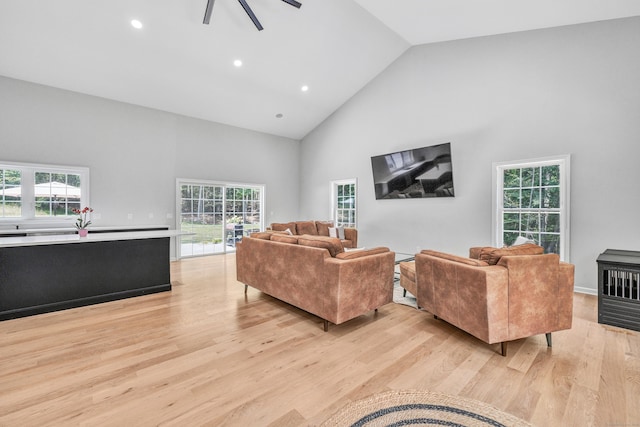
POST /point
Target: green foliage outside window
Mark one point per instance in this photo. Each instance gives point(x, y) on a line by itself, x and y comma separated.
point(531, 202)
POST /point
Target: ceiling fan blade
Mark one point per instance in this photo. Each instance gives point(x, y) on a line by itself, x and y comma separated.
point(293, 3)
point(208, 12)
point(251, 15)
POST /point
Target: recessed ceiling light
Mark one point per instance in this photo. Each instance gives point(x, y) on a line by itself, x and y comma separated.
point(279, 116)
point(237, 63)
point(136, 24)
point(304, 88)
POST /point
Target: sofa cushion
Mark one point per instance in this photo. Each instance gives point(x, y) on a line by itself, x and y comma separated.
point(306, 227)
point(456, 258)
point(493, 255)
point(361, 252)
point(337, 232)
point(408, 270)
point(265, 235)
point(284, 238)
point(333, 245)
point(347, 244)
point(291, 226)
point(323, 227)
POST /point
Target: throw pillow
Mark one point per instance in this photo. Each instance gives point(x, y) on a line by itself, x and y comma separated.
point(340, 232)
point(306, 227)
point(521, 240)
point(323, 227)
point(333, 232)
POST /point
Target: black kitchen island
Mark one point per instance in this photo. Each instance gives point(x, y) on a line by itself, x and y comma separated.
point(44, 273)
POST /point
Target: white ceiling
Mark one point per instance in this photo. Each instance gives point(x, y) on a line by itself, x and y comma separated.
point(178, 64)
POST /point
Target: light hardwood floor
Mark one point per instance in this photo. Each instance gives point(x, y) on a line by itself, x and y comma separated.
point(206, 354)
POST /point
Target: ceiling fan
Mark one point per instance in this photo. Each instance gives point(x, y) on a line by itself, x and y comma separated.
point(247, 8)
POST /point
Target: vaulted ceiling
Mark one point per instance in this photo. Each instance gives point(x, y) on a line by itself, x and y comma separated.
point(178, 64)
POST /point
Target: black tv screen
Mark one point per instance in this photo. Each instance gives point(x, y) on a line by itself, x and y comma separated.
point(418, 173)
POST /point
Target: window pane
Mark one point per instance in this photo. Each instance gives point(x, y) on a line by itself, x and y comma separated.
point(550, 222)
point(42, 177)
point(529, 177)
point(529, 222)
point(509, 237)
point(511, 221)
point(511, 178)
point(12, 209)
point(551, 198)
point(530, 198)
point(550, 243)
point(10, 193)
point(527, 200)
point(551, 175)
point(511, 198)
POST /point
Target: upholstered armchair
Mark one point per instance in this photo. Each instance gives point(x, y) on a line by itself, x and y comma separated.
point(497, 295)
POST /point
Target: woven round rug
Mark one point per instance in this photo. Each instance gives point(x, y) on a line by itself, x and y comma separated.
point(420, 408)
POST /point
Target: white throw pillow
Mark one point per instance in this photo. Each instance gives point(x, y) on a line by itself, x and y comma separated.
point(340, 233)
point(521, 240)
point(333, 232)
point(288, 232)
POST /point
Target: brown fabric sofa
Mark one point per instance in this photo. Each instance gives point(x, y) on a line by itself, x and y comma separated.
point(315, 274)
point(497, 295)
point(317, 228)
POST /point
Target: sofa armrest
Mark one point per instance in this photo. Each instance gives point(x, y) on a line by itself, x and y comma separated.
point(361, 253)
point(534, 292)
point(565, 295)
point(358, 285)
point(455, 258)
point(351, 234)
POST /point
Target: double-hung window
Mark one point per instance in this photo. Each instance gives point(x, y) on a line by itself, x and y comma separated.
point(343, 201)
point(31, 192)
point(531, 200)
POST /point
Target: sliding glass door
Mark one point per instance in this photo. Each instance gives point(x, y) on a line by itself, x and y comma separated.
point(217, 215)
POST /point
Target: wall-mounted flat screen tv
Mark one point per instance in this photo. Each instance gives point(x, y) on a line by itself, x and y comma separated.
point(418, 173)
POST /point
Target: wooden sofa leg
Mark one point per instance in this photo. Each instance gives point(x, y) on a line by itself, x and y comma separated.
point(245, 288)
point(404, 293)
point(548, 339)
point(503, 348)
point(326, 325)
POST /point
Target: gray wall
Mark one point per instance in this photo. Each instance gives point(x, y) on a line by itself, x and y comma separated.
point(135, 154)
point(570, 90)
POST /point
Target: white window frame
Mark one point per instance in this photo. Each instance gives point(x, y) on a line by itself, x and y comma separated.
point(334, 200)
point(564, 162)
point(27, 183)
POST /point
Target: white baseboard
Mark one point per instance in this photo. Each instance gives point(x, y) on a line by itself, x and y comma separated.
point(582, 290)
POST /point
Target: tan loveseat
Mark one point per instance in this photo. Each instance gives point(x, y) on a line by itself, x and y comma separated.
point(318, 228)
point(315, 274)
point(497, 295)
